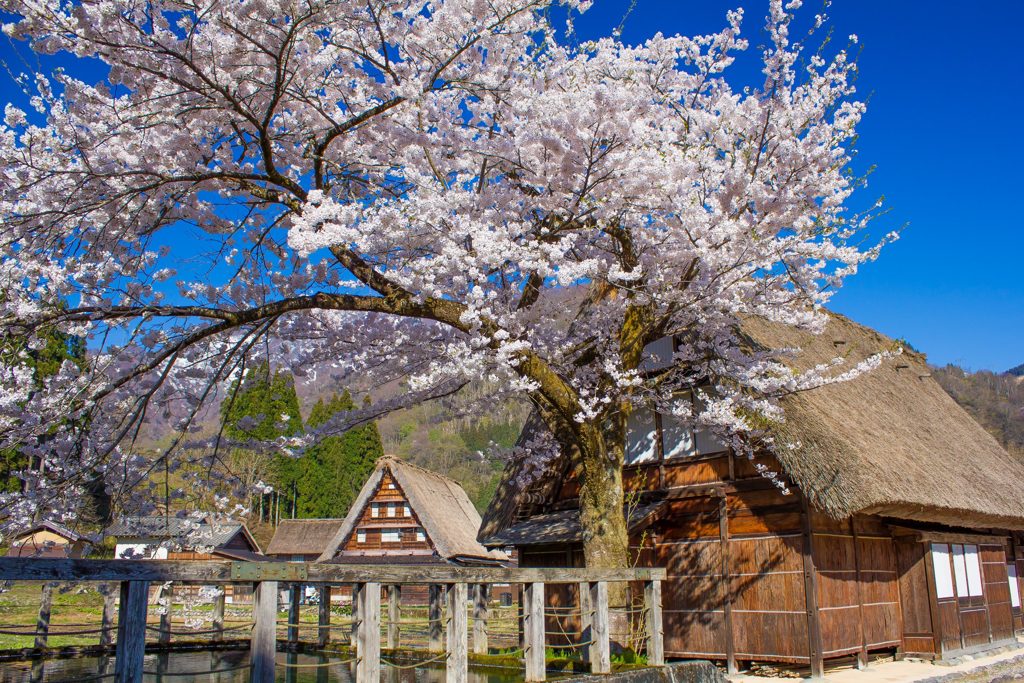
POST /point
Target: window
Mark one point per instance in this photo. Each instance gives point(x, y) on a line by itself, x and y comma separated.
point(391, 485)
point(390, 537)
point(957, 565)
point(1011, 576)
point(375, 509)
point(420, 536)
point(641, 436)
point(943, 573)
point(360, 537)
point(973, 562)
point(391, 509)
point(677, 436)
point(406, 512)
point(657, 355)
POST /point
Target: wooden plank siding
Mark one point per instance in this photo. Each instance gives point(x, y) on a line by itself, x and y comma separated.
point(733, 546)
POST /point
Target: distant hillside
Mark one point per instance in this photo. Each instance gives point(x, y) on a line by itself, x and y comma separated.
point(994, 400)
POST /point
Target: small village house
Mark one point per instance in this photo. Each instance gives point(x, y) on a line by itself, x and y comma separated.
point(174, 538)
point(408, 514)
point(302, 540)
point(895, 524)
point(48, 539)
point(405, 514)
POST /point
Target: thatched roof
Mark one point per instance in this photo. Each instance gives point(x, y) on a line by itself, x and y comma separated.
point(303, 536)
point(890, 442)
point(441, 505)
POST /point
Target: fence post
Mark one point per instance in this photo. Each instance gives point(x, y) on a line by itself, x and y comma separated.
point(533, 615)
point(394, 615)
point(368, 648)
point(131, 632)
point(600, 649)
point(457, 668)
point(166, 594)
point(586, 620)
point(218, 612)
point(294, 600)
point(108, 590)
point(324, 633)
point(264, 633)
point(354, 638)
point(481, 593)
point(435, 642)
point(43, 622)
point(655, 638)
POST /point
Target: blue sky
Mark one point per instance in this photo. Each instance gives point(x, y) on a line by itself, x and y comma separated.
point(943, 128)
point(946, 87)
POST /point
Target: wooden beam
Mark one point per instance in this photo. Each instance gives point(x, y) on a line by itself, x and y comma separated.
point(166, 612)
point(263, 645)
point(600, 648)
point(586, 620)
point(862, 655)
point(294, 612)
point(533, 614)
point(814, 646)
point(218, 612)
point(356, 617)
point(655, 630)
point(131, 632)
point(457, 667)
point(394, 616)
point(109, 591)
point(481, 612)
point(324, 633)
point(933, 600)
point(368, 649)
point(435, 642)
point(730, 631)
point(207, 572)
point(43, 620)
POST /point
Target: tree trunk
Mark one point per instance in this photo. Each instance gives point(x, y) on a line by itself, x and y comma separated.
point(605, 536)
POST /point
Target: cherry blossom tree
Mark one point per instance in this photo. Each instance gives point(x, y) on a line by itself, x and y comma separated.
point(415, 190)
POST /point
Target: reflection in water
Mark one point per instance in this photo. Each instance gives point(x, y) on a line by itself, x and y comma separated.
point(230, 665)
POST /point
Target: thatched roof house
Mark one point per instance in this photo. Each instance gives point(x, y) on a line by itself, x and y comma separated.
point(405, 511)
point(899, 531)
point(302, 539)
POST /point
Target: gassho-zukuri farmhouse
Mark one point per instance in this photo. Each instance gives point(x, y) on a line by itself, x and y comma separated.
point(902, 528)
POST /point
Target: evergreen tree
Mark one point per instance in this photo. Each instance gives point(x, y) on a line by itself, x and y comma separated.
point(263, 407)
point(335, 469)
point(44, 362)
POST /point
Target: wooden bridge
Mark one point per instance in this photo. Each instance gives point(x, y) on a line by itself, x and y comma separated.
point(450, 586)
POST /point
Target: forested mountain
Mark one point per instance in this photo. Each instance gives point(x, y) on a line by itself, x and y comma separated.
point(995, 400)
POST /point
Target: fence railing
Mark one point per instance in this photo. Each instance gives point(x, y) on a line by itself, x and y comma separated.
point(452, 587)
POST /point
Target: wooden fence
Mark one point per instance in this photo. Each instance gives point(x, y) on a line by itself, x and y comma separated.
point(453, 587)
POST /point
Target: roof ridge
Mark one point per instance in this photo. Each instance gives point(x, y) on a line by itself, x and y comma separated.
point(422, 469)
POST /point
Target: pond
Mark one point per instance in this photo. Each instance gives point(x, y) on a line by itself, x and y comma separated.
point(182, 667)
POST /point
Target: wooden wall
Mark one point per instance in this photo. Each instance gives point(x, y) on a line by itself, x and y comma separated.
point(857, 585)
point(374, 526)
point(743, 557)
